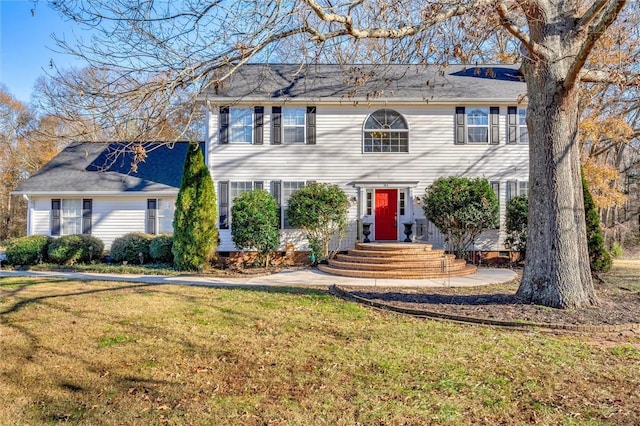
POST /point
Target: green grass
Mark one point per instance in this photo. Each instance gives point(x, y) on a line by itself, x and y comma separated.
point(149, 269)
point(112, 353)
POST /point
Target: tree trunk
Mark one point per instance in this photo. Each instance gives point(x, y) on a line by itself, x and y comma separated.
point(557, 271)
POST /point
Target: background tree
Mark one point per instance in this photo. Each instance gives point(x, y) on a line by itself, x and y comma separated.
point(461, 209)
point(195, 234)
point(26, 144)
point(200, 43)
point(254, 223)
point(320, 209)
point(516, 224)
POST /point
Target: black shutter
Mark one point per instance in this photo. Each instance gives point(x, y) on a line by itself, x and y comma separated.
point(494, 124)
point(258, 184)
point(460, 127)
point(223, 196)
point(512, 124)
point(152, 207)
point(224, 125)
point(87, 206)
point(258, 121)
point(55, 216)
point(276, 191)
point(311, 125)
point(276, 125)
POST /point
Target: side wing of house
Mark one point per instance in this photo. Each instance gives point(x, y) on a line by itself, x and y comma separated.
point(382, 155)
point(105, 217)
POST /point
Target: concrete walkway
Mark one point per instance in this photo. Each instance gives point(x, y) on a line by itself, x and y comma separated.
point(286, 278)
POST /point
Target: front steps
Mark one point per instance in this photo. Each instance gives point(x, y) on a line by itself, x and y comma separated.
point(397, 260)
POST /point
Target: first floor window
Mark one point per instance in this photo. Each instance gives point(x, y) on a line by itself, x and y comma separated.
point(288, 188)
point(516, 188)
point(71, 216)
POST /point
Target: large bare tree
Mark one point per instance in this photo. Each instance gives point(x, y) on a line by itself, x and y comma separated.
point(195, 43)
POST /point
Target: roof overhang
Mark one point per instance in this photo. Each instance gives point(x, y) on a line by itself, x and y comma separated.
point(96, 193)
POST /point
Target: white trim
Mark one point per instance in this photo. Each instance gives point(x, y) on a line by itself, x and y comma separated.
point(360, 101)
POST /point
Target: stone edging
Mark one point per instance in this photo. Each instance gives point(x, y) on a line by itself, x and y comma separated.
point(343, 294)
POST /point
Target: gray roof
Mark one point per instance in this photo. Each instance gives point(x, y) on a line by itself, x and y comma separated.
point(408, 83)
point(99, 168)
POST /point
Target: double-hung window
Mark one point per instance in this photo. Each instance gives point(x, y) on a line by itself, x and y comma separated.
point(241, 125)
point(386, 131)
point(517, 125)
point(159, 217)
point(70, 216)
point(477, 125)
point(293, 125)
point(282, 191)
point(516, 188)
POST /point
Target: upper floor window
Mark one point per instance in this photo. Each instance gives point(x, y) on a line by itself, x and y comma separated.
point(293, 125)
point(517, 125)
point(477, 125)
point(386, 131)
point(241, 125)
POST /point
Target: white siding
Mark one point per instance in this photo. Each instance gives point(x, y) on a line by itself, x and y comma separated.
point(337, 157)
point(111, 216)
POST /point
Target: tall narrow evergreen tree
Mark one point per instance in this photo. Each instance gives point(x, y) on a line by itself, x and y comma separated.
point(195, 236)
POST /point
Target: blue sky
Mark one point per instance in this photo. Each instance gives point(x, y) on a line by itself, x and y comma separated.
point(26, 43)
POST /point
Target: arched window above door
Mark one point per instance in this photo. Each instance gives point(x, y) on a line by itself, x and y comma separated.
point(386, 130)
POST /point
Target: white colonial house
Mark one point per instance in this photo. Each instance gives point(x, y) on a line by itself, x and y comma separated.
point(382, 133)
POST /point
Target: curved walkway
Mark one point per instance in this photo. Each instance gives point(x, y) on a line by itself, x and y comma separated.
point(286, 278)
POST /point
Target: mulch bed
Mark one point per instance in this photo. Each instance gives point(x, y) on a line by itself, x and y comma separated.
point(616, 306)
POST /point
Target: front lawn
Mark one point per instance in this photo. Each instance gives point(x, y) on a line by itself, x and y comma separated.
point(113, 353)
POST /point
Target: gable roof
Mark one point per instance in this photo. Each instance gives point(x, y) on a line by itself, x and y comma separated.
point(398, 83)
point(105, 168)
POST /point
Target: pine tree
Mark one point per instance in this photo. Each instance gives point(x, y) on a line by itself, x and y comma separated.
point(599, 257)
point(195, 236)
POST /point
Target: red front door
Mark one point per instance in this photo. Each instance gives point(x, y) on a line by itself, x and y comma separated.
point(386, 214)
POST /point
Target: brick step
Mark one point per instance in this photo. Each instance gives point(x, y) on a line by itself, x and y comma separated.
point(400, 274)
point(409, 247)
point(397, 255)
point(386, 263)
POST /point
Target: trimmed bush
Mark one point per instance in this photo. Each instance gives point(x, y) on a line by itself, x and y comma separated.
point(70, 249)
point(254, 223)
point(28, 250)
point(129, 246)
point(461, 209)
point(320, 209)
point(160, 248)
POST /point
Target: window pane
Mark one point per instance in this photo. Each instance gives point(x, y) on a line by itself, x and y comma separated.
point(293, 135)
point(165, 216)
point(386, 141)
point(522, 117)
point(293, 116)
point(478, 134)
point(478, 117)
point(238, 188)
point(385, 119)
point(288, 188)
point(71, 217)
